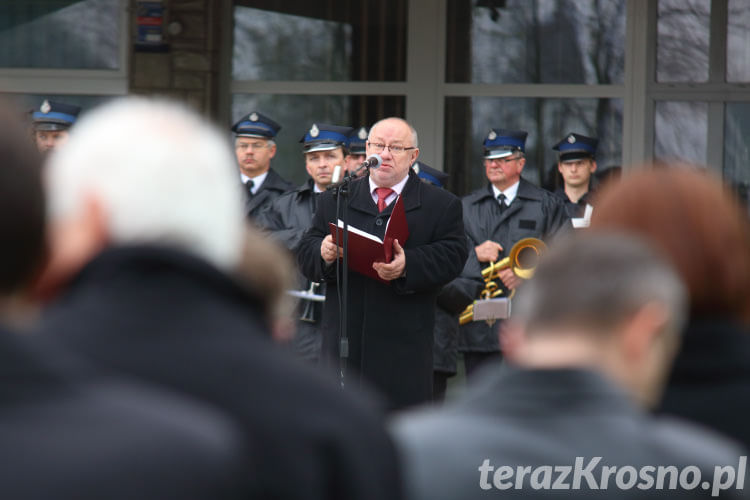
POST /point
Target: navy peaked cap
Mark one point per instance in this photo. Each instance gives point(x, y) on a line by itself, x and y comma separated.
point(256, 124)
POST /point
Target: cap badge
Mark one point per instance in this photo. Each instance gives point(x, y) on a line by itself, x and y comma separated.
point(45, 107)
point(362, 134)
point(571, 138)
point(314, 131)
point(492, 135)
point(254, 117)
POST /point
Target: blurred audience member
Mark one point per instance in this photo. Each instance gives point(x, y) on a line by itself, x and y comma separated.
point(66, 437)
point(151, 235)
point(590, 344)
point(699, 226)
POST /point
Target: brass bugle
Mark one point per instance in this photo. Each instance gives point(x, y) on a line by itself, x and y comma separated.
point(522, 260)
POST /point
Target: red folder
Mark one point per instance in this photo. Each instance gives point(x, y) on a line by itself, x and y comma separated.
point(366, 248)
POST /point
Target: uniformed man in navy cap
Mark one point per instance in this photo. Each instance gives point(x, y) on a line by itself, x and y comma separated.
point(254, 147)
point(496, 217)
point(577, 164)
point(355, 147)
point(51, 123)
point(430, 175)
point(290, 215)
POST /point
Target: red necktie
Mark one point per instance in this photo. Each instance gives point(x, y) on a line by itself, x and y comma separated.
point(382, 193)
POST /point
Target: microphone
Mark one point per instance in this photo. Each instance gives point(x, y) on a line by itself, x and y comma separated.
point(336, 174)
point(374, 161)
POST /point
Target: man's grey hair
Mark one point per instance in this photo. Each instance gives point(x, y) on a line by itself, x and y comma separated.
point(414, 136)
point(597, 280)
point(162, 174)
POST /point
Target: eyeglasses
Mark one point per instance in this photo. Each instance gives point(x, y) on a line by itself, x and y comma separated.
point(244, 146)
point(379, 147)
point(505, 161)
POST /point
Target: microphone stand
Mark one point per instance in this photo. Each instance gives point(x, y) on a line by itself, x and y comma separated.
point(341, 190)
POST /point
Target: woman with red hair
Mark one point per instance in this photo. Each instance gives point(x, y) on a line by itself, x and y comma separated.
point(690, 216)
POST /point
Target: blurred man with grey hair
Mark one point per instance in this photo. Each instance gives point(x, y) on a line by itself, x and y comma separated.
point(589, 347)
point(148, 222)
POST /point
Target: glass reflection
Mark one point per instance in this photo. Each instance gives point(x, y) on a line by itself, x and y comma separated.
point(737, 148)
point(59, 34)
point(539, 41)
point(681, 131)
point(738, 41)
point(297, 40)
point(682, 40)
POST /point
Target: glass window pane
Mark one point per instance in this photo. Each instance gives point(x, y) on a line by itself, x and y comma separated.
point(682, 40)
point(300, 40)
point(738, 41)
point(295, 113)
point(468, 120)
point(737, 148)
point(681, 131)
point(64, 34)
point(535, 41)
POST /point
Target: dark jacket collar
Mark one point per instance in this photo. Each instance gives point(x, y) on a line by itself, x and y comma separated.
point(274, 182)
point(509, 390)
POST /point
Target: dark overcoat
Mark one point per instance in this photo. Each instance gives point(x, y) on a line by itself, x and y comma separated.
point(172, 319)
point(67, 434)
point(532, 418)
point(286, 219)
point(710, 379)
point(273, 186)
point(534, 213)
point(290, 215)
point(390, 326)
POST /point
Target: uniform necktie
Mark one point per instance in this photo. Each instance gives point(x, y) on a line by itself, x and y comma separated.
point(382, 193)
point(501, 198)
point(249, 187)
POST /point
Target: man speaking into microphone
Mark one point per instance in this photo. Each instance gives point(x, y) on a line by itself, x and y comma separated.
point(390, 320)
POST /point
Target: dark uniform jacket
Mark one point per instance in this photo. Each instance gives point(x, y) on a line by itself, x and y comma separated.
point(67, 434)
point(451, 301)
point(290, 215)
point(530, 418)
point(273, 186)
point(390, 326)
point(172, 319)
point(287, 219)
point(710, 380)
point(576, 210)
point(534, 212)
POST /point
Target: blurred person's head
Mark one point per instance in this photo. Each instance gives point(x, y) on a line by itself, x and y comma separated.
point(51, 124)
point(268, 270)
point(696, 222)
point(22, 205)
point(144, 171)
point(605, 302)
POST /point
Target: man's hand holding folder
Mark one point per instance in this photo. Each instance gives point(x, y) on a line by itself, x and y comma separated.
point(383, 260)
